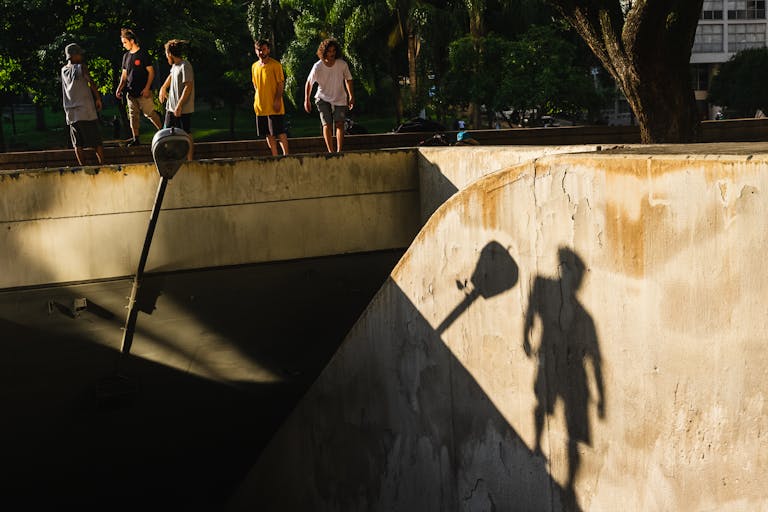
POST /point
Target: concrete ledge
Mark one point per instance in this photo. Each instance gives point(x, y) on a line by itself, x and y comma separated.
point(738, 130)
point(78, 225)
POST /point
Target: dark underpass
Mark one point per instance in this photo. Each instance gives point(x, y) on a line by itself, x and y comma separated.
point(182, 441)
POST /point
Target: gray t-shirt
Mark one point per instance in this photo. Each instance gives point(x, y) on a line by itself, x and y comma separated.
point(180, 73)
point(79, 104)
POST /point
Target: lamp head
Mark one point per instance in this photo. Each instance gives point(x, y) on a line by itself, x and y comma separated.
point(169, 149)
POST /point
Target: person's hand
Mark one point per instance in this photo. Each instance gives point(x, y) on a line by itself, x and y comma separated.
point(146, 93)
point(177, 112)
point(351, 103)
point(307, 105)
point(119, 94)
point(163, 95)
point(98, 104)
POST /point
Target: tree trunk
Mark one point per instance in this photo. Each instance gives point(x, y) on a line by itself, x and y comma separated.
point(2, 132)
point(232, 112)
point(413, 51)
point(647, 51)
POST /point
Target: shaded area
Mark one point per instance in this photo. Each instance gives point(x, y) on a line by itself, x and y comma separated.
point(183, 442)
point(396, 422)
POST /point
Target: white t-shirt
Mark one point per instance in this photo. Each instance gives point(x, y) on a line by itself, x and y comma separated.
point(180, 74)
point(330, 81)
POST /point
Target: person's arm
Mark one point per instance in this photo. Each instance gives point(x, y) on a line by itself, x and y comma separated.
point(279, 96)
point(94, 89)
point(121, 85)
point(307, 92)
point(164, 89)
point(351, 99)
point(147, 91)
point(185, 94)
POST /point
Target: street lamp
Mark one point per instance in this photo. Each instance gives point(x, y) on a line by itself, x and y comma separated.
point(170, 147)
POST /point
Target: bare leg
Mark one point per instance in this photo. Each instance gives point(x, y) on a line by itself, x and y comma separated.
point(284, 143)
point(100, 154)
point(154, 117)
point(339, 136)
point(271, 144)
point(328, 136)
point(191, 149)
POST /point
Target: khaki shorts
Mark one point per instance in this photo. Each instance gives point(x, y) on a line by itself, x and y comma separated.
point(138, 105)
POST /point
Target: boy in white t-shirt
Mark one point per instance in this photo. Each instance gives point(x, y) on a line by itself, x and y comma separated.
point(334, 94)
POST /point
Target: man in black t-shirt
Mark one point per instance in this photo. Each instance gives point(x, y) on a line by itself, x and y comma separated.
point(136, 81)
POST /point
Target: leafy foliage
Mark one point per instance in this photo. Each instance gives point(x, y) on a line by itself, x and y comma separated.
point(740, 84)
point(537, 71)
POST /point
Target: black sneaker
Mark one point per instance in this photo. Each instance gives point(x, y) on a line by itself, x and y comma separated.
point(134, 142)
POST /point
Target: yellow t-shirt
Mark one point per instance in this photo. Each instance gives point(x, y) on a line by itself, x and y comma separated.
point(265, 79)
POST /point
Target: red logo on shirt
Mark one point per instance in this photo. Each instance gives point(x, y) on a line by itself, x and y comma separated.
point(137, 62)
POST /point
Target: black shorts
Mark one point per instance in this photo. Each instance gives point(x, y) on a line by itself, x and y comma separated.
point(85, 134)
point(184, 122)
point(270, 125)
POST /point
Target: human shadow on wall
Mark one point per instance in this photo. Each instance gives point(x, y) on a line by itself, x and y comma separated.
point(397, 422)
point(568, 342)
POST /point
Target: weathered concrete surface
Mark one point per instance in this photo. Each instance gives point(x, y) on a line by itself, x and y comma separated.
point(445, 170)
point(89, 223)
point(85, 224)
point(219, 359)
point(640, 280)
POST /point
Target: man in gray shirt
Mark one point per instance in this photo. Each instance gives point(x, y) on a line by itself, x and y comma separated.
point(82, 101)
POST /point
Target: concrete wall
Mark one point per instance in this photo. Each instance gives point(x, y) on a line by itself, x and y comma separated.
point(617, 301)
point(84, 224)
point(445, 170)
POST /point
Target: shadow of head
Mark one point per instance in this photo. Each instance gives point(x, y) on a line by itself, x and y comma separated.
point(495, 272)
point(571, 268)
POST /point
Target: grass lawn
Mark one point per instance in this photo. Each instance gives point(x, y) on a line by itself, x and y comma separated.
point(208, 125)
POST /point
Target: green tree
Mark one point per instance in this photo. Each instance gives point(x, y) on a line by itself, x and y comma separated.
point(645, 46)
point(537, 71)
point(740, 84)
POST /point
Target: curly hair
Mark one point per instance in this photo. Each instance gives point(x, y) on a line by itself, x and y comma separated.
point(328, 43)
point(176, 47)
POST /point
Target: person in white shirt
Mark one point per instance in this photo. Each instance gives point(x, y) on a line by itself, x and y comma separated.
point(178, 91)
point(334, 94)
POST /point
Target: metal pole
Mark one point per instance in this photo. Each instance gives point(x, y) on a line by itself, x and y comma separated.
point(133, 312)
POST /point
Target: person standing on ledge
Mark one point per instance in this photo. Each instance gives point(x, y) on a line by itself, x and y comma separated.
point(334, 91)
point(82, 101)
point(136, 81)
point(179, 90)
point(268, 85)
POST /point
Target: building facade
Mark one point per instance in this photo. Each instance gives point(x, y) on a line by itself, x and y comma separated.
point(725, 27)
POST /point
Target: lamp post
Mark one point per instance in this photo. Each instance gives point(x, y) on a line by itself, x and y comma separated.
point(169, 150)
point(170, 147)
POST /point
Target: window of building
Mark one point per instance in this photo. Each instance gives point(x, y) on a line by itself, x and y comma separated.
point(700, 77)
point(746, 9)
point(742, 36)
point(712, 10)
point(709, 39)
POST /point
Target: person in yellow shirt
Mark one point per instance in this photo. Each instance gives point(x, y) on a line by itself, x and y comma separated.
point(269, 85)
